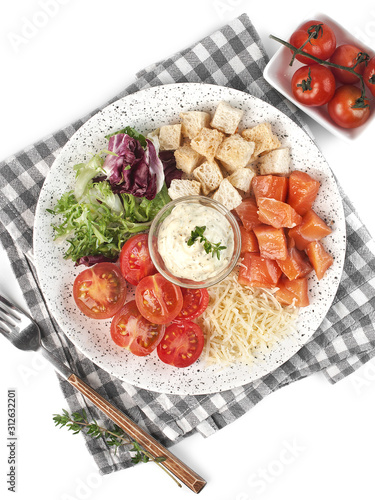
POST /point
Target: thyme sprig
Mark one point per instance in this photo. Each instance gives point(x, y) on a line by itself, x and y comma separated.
point(361, 57)
point(213, 248)
point(78, 422)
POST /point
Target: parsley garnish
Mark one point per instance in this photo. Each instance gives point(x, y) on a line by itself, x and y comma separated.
point(213, 248)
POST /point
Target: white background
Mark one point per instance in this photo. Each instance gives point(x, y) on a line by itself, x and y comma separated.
point(87, 52)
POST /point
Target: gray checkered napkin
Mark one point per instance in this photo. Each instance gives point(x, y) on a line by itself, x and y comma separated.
point(233, 57)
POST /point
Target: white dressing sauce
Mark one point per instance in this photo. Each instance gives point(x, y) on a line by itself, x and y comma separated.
point(192, 262)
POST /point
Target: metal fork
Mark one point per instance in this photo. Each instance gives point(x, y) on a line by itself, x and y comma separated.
point(24, 333)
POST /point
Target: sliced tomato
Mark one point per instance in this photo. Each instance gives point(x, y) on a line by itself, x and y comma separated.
point(258, 271)
point(277, 213)
point(131, 330)
point(100, 290)
point(182, 344)
point(303, 190)
point(270, 186)
point(195, 302)
point(158, 300)
point(296, 265)
point(319, 258)
point(247, 211)
point(271, 241)
point(249, 242)
point(135, 260)
point(293, 292)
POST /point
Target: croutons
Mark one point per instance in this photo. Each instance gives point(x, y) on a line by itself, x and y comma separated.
point(187, 159)
point(193, 121)
point(206, 142)
point(263, 138)
point(209, 175)
point(241, 179)
point(226, 118)
point(183, 187)
point(170, 137)
point(227, 195)
point(234, 152)
point(275, 162)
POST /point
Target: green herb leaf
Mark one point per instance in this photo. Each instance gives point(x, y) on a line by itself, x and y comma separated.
point(133, 133)
point(213, 248)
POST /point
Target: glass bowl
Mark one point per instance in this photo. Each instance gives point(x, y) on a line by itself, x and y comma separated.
point(154, 238)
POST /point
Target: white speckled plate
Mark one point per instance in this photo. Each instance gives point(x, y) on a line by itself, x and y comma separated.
point(146, 110)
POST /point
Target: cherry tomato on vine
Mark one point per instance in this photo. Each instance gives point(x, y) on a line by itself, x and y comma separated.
point(347, 55)
point(135, 260)
point(313, 85)
point(100, 291)
point(182, 344)
point(369, 75)
point(321, 45)
point(344, 108)
point(195, 302)
point(158, 300)
point(131, 330)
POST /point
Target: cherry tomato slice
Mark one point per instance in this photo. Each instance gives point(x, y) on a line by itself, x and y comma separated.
point(135, 260)
point(131, 330)
point(100, 290)
point(195, 302)
point(341, 107)
point(182, 344)
point(158, 300)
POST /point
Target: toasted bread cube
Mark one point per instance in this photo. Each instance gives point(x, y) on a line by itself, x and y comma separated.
point(170, 137)
point(226, 118)
point(187, 159)
point(183, 187)
point(209, 175)
point(263, 137)
point(235, 152)
point(193, 121)
point(227, 195)
point(241, 179)
point(206, 142)
point(275, 162)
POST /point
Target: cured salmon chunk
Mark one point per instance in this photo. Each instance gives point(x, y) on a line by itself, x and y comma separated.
point(296, 265)
point(277, 213)
point(270, 186)
point(271, 241)
point(320, 259)
point(247, 211)
point(293, 292)
point(312, 228)
point(302, 191)
point(249, 242)
point(258, 271)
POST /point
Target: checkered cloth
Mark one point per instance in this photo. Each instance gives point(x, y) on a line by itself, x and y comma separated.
point(234, 57)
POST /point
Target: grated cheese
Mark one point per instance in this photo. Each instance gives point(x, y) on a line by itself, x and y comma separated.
point(240, 320)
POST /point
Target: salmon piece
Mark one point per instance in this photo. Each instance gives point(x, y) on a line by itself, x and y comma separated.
point(312, 228)
point(277, 213)
point(270, 186)
point(249, 242)
point(247, 211)
point(302, 191)
point(271, 241)
point(320, 259)
point(258, 271)
point(296, 265)
point(293, 292)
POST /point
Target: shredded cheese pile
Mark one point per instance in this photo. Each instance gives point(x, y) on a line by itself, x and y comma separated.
point(240, 320)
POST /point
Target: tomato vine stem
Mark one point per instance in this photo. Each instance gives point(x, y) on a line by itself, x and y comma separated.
point(360, 103)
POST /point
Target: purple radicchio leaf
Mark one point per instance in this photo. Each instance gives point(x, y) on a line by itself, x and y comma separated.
point(90, 260)
point(170, 170)
point(134, 170)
